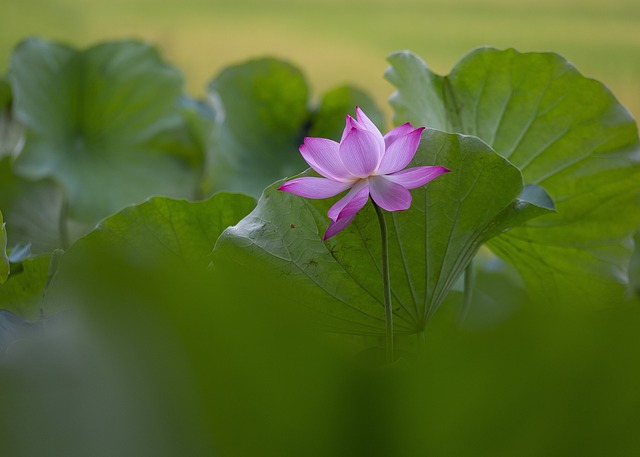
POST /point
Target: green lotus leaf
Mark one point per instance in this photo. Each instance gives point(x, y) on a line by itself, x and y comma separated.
point(104, 122)
point(261, 111)
point(34, 212)
point(178, 231)
point(262, 114)
point(430, 244)
point(328, 119)
point(566, 133)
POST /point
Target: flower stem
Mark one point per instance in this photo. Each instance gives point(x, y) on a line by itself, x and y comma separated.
point(388, 310)
point(468, 293)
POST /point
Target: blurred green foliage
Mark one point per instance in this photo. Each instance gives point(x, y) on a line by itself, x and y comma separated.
point(146, 348)
point(158, 362)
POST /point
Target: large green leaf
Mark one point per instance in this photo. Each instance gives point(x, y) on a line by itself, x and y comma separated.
point(430, 244)
point(262, 116)
point(102, 123)
point(566, 133)
point(162, 228)
point(4, 260)
point(261, 110)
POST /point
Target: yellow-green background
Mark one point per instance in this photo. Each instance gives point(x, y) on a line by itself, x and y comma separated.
point(337, 41)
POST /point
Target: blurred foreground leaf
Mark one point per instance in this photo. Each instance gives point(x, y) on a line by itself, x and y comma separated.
point(169, 357)
point(566, 133)
point(165, 364)
point(430, 244)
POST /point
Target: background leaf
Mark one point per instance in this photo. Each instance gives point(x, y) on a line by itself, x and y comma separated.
point(328, 119)
point(262, 115)
point(430, 244)
point(4, 260)
point(11, 132)
point(261, 108)
point(33, 210)
point(22, 293)
point(12, 328)
point(99, 121)
point(566, 133)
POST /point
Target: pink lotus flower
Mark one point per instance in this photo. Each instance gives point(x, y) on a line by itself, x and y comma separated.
point(368, 164)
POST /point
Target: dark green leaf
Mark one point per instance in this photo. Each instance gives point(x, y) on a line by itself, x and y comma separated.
point(566, 133)
point(261, 111)
point(430, 244)
point(329, 119)
point(262, 115)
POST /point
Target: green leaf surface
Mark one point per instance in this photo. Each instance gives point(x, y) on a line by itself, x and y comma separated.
point(102, 122)
point(261, 111)
point(33, 210)
point(22, 293)
point(566, 133)
point(4, 260)
point(162, 228)
point(329, 118)
point(262, 114)
point(430, 244)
